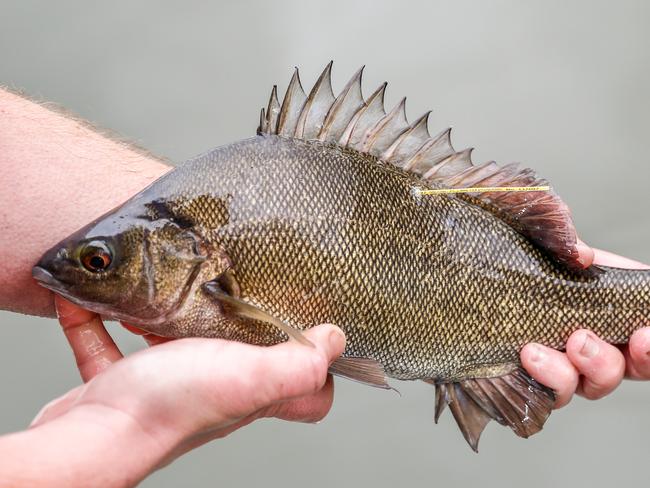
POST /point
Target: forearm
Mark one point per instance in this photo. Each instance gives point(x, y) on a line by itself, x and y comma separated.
point(56, 174)
point(88, 446)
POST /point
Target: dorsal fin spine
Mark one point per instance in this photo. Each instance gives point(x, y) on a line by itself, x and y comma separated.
point(456, 162)
point(386, 130)
point(344, 108)
point(434, 150)
point(316, 107)
point(292, 104)
point(367, 117)
point(272, 112)
point(261, 128)
point(409, 142)
point(346, 136)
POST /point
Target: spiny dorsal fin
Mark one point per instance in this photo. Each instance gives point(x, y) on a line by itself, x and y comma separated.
point(363, 125)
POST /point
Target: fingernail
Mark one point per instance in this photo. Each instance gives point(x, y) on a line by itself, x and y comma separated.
point(585, 254)
point(39, 415)
point(589, 348)
point(336, 337)
point(537, 353)
point(646, 342)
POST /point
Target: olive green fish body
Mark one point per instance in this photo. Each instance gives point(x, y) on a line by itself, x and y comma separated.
point(429, 286)
point(321, 218)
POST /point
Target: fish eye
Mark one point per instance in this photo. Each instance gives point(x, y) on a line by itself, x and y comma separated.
point(96, 257)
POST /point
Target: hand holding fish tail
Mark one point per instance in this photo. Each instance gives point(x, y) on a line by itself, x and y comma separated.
point(590, 367)
point(184, 393)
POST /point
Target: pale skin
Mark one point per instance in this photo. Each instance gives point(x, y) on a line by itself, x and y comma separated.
point(57, 175)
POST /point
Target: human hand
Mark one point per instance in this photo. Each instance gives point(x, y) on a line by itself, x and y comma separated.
point(183, 393)
point(590, 367)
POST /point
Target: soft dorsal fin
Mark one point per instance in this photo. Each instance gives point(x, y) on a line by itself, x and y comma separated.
point(365, 126)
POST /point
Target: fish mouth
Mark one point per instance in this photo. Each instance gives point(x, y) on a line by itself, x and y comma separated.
point(47, 280)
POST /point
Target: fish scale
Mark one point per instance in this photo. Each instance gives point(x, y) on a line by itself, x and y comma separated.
point(319, 219)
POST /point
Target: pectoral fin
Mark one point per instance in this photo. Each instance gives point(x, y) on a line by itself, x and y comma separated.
point(247, 310)
point(515, 400)
point(364, 370)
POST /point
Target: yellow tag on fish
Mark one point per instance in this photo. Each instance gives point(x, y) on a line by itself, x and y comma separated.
point(483, 189)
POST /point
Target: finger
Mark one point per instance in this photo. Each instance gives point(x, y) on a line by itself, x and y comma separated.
point(605, 258)
point(551, 368)
point(293, 370)
point(229, 381)
point(310, 409)
point(154, 340)
point(56, 407)
point(133, 329)
point(637, 355)
point(93, 348)
point(150, 339)
point(601, 364)
point(255, 378)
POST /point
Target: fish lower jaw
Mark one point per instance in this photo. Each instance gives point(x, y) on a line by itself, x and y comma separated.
point(144, 323)
point(107, 313)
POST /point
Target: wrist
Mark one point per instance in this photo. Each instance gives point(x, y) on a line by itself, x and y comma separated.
point(90, 445)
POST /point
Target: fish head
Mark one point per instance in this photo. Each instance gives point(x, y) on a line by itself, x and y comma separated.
point(130, 265)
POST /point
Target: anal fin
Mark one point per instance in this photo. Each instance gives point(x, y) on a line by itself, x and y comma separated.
point(515, 400)
point(469, 415)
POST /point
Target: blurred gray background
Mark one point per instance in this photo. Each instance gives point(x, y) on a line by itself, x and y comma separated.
point(561, 86)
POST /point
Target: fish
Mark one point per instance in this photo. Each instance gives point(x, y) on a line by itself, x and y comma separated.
point(323, 216)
